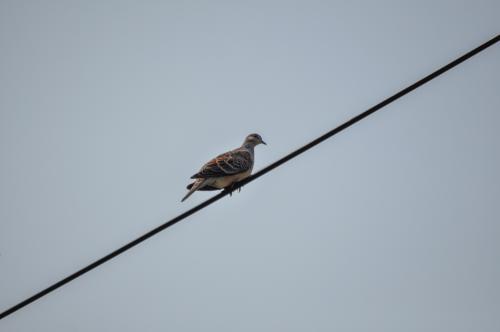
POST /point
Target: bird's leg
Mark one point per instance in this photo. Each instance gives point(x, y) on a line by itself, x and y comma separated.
point(231, 188)
point(239, 188)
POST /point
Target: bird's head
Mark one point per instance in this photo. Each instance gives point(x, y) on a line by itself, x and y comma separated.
point(253, 140)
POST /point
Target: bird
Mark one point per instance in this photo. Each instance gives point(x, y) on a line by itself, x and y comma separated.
point(226, 169)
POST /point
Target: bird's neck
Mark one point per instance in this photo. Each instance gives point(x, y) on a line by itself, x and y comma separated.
point(248, 146)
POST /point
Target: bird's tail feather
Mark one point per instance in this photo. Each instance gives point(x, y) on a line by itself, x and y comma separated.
point(204, 188)
point(195, 186)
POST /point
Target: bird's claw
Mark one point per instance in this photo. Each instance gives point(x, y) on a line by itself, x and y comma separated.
point(232, 188)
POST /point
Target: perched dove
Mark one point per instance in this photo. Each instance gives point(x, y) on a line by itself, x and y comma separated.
point(226, 169)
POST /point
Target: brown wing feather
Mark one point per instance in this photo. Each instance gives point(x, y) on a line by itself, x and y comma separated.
point(229, 163)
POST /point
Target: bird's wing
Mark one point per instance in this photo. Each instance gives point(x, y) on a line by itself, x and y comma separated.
point(229, 163)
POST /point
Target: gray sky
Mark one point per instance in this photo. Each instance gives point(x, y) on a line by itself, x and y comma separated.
point(107, 108)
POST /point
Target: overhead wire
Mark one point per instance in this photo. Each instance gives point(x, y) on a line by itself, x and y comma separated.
point(253, 177)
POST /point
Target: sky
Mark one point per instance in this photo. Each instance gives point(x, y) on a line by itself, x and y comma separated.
point(108, 107)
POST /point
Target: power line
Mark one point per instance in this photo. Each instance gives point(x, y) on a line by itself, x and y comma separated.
point(252, 178)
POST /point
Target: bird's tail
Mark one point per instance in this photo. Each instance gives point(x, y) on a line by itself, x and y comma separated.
point(195, 186)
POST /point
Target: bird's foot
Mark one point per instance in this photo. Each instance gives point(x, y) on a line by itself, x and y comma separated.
point(231, 188)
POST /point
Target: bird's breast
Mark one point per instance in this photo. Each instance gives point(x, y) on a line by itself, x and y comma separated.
point(225, 181)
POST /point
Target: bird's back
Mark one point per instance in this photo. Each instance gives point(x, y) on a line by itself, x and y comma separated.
point(233, 162)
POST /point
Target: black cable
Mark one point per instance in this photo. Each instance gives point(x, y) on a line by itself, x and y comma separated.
point(251, 178)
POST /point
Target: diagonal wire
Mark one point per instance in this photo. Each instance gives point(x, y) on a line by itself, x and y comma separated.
point(265, 170)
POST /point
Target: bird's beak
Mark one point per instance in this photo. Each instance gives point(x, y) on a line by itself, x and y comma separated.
point(263, 142)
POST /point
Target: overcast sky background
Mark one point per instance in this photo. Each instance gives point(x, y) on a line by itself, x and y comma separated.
point(108, 107)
